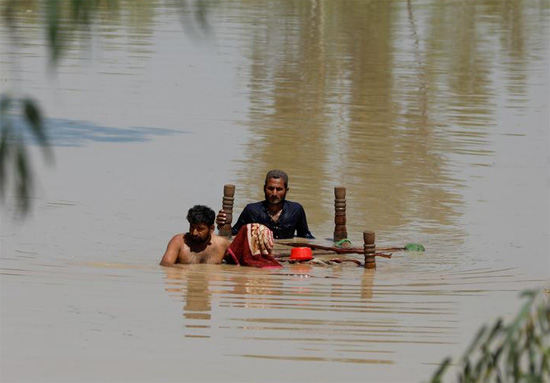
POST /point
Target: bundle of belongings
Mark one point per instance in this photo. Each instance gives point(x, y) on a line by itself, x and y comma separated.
point(252, 247)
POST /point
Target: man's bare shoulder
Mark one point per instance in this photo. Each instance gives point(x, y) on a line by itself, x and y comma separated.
point(220, 240)
point(177, 241)
point(173, 250)
point(177, 238)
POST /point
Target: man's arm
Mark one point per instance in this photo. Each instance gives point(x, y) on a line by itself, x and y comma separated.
point(302, 230)
point(244, 218)
point(172, 251)
point(224, 247)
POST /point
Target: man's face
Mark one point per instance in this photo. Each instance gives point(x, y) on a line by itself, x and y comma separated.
point(275, 191)
point(200, 232)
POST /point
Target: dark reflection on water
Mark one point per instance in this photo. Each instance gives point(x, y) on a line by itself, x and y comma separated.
point(194, 287)
point(63, 132)
point(381, 97)
point(270, 315)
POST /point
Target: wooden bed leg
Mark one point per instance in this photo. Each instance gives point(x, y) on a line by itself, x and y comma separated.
point(369, 248)
point(227, 206)
point(340, 231)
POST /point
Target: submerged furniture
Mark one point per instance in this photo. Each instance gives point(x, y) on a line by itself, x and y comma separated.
point(340, 230)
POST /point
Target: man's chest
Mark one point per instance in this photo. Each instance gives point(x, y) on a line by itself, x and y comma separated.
point(208, 255)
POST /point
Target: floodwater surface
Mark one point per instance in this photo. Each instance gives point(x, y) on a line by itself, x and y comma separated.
point(433, 114)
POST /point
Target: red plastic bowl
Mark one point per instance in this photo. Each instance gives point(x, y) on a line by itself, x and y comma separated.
point(301, 254)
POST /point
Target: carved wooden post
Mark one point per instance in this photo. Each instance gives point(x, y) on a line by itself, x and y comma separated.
point(227, 206)
point(340, 231)
point(369, 248)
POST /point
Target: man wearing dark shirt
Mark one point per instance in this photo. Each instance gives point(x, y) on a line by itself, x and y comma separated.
point(283, 217)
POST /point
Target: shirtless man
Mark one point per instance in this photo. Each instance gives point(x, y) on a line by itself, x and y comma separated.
point(200, 244)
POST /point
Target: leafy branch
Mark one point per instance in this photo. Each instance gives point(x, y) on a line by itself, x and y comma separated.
point(518, 352)
point(13, 153)
point(63, 22)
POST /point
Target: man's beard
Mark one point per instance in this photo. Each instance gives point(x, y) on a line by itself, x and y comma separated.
point(198, 240)
point(275, 200)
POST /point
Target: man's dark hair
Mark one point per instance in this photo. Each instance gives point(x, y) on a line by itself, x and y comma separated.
point(277, 174)
point(201, 214)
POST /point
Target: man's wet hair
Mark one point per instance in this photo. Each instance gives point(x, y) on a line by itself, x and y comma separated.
point(277, 174)
point(201, 214)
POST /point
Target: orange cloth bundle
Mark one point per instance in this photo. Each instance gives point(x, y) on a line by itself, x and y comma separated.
point(252, 247)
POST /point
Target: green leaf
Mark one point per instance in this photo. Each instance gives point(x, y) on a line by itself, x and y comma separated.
point(477, 338)
point(466, 372)
point(35, 121)
point(4, 156)
point(24, 182)
point(5, 103)
point(53, 29)
point(495, 330)
point(22, 166)
point(436, 378)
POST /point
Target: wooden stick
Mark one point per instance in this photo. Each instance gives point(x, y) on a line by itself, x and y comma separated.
point(391, 248)
point(227, 207)
point(337, 250)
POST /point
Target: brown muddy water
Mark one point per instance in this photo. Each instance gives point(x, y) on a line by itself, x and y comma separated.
point(433, 114)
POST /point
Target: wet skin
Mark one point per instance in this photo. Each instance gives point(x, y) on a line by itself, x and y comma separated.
point(198, 245)
point(199, 233)
point(275, 192)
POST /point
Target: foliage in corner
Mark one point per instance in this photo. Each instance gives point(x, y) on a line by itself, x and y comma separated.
point(516, 352)
point(21, 118)
point(64, 22)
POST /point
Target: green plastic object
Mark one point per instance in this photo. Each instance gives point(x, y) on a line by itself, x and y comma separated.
point(414, 247)
point(341, 242)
